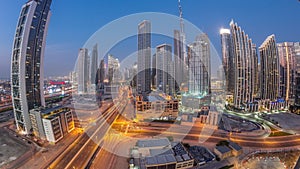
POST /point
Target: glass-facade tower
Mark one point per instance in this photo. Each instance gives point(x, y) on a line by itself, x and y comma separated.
point(27, 61)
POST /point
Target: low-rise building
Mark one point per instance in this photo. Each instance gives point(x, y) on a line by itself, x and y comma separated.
point(157, 105)
point(222, 152)
point(236, 149)
point(230, 149)
point(52, 123)
point(160, 153)
point(209, 115)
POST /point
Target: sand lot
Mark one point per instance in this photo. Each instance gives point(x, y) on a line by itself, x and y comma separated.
point(10, 148)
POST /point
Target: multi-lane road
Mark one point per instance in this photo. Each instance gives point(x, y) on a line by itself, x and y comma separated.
point(79, 154)
point(193, 135)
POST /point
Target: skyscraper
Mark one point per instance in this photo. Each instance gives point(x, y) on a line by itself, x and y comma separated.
point(27, 74)
point(199, 66)
point(101, 72)
point(178, 58)
point(163, 60)
point(180, 51)
point(255, 71)
point(94, 64)
point(227, 60)
point(113, 69)
point(144, 58)
point(244, 57)
point(153, 72)
point(297, 55)
point(287, 69)
point(82, 69)
point(269, 75)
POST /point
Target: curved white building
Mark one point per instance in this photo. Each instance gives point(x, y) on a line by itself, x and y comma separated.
point(28, 60)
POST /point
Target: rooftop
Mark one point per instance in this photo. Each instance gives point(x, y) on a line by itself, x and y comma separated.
point(153, 143)
point(223, 149)
point(161, 159)
point(154, 98)
point(163, 151)
point(234, 146)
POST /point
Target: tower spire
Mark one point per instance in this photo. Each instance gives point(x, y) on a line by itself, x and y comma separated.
point(181, 17)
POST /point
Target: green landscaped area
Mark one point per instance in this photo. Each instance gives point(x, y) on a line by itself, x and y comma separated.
point(279, 133)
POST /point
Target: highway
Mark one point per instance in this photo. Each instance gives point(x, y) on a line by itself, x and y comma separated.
point(81, 151)
point(194, 135)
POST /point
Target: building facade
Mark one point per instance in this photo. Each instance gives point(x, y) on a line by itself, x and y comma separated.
point(82, 69)
point(178, 58)
point(227, 60)
point(287, 71)
point(101, 72)
point(27, 75)
point(244, 65)
point(94, 64)
point(163, 67)
point(269, 73)
point(114, 73)
point(144, 58)
point(199, 66)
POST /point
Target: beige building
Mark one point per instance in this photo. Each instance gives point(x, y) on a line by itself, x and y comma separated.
point(160, 153)
point(222, 152)
point(158, 106)
point(52, 123)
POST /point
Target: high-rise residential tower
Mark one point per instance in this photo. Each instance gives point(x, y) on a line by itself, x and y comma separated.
point(297, 56)
point(255, 71)
point(101, 72)
point(153, 72)
point(269, 73)
point(144, 58)
point(227, 60)
point(199, 66)
point(113, 69)
point(94, 64)
point(297, 66)
point(287, 69)
point(163, 69)
point(82, 69)
point(244, 57)
point(27, 74)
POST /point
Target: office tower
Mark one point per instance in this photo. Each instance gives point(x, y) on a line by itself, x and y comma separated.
point(199, 66)
point(113, 69)
point(153, 72)
point(269, 75)
point(94, 64)
point(27, 74)
point(287, 69)
point(227, 60)
point(82, 69)
point(101, 72)
point(144, 58)
point(163, 60)
point(244, 57)
point(178, 58)
point(171, 79)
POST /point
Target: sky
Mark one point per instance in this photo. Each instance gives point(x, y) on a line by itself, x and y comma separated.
point(73, 22)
